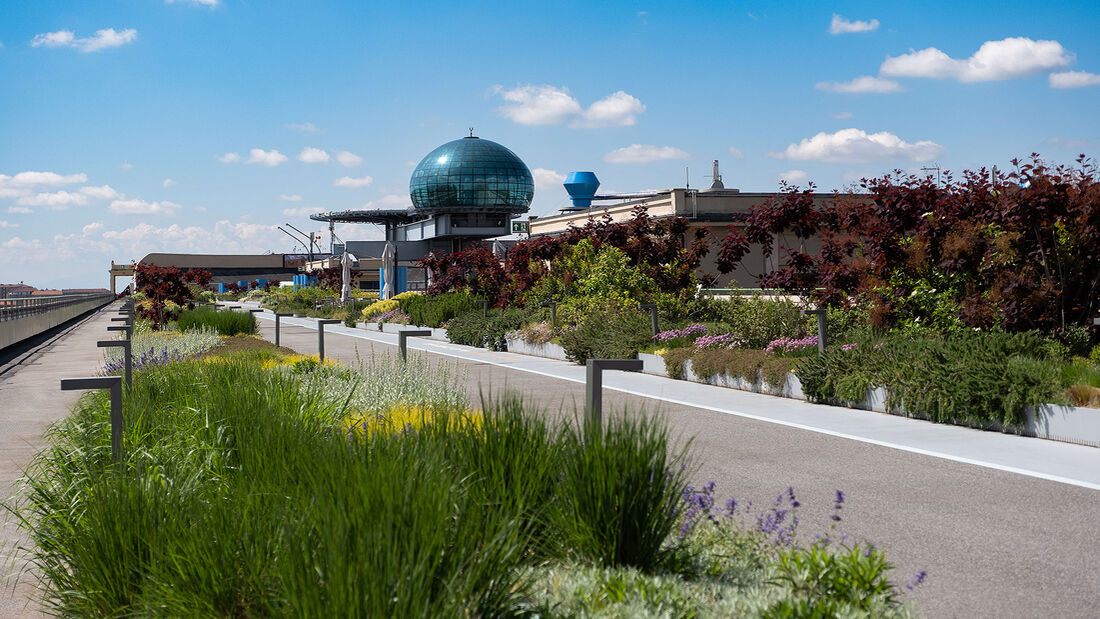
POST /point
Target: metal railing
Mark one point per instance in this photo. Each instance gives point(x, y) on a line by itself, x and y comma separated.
point(13, 309)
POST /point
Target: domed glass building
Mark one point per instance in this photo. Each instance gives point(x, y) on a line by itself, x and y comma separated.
point(463, 193)
point(471, 174)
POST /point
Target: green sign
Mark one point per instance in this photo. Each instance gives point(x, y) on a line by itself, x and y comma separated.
point(521, 226)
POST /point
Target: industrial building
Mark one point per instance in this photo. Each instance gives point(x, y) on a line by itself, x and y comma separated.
point(716, 208)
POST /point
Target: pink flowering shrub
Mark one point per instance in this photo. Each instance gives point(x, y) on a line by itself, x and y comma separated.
point(790, 347)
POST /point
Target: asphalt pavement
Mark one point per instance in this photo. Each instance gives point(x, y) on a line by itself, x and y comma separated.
point(1004, 526)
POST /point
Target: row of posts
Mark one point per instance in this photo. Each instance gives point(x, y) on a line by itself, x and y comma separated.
point(593, 370)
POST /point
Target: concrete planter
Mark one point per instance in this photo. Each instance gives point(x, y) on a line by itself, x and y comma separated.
point(653, 364)
point(1072, 424)
point(393, 327)
point(549, 350)
point(440, 334)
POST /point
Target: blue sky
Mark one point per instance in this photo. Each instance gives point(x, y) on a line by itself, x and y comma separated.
point(129, 127)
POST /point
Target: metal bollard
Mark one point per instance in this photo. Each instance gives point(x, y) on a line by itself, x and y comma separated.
point(321, 335)
point(822, 332)
point(127, 355)
point(278, 318)
point(126, 327)
point(553, 312)
point(114, 383)
point(593, 384)
point(403, 346)
point(652, 316)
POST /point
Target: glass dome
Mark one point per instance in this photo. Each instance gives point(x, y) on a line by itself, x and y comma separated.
point(472, 174)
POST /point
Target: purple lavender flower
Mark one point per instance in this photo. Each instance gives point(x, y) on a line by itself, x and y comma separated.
point(918, 580)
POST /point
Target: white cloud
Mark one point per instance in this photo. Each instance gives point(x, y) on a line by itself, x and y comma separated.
point(33, 179)
point(794, 177)
point(269, 158)
point(103, 39)
point(842, 115)
point(347, 181)
point(303, 127)
point(863, 84)
point(547, 179)
point(126, 165)
point(1074, 79)
point(168, 182)
point(348, 160)
point(856, 145)
point(304, 211)
point(138, 206)
point(1067, 143)
point(7, 224)
point(736, 152)
point(840, 25)
point(22, 210)
point(209, 3)
point(313, 155)
point(550, 105)
point(393, 200)
point(615, 110)
point(644, 153)
point(1011, 58)
point(290, 198)
point(103, 192)
point(58, 200)
point(229, 158)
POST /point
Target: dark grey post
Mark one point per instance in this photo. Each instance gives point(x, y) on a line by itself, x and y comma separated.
point(126, 327)
point(403, 346)
point(127, 356)
point(593, 384)
point(484, 307)
point(321, 335)
point(120, 319)
point(278, 316)
point(553, 312)
point(114, 383)
point(652, 307)
point(822, 334)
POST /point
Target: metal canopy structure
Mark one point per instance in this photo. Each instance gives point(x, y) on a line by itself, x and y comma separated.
point(372, 216)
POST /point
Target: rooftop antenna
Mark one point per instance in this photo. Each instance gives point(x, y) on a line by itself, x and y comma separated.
point(471, 132)
point(717, 184)
point(937, 169)
point(687, 178)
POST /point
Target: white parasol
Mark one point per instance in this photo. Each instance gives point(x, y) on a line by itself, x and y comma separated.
point(345, 290)
point(389, 270)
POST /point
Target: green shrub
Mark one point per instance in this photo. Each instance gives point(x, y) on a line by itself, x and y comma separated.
point(607, 335)
point(758, 320)
point(435, 311)
point(826, 582)
point(745, 363)
point(225, 323)
point(473, 329)
point(619, 492)
point(674, 361)
point(970, 378)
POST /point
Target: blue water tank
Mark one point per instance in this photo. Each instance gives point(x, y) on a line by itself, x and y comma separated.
point(581, 187)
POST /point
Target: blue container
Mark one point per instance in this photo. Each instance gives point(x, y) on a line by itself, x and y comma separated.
point(581, 187)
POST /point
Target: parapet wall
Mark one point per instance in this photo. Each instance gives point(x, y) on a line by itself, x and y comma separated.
point(19, 329)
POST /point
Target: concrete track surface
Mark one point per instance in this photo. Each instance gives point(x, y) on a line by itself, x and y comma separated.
point(31, 400)
point(1005, 526)
point(995, 543)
